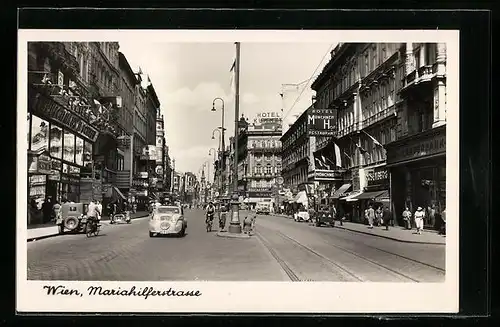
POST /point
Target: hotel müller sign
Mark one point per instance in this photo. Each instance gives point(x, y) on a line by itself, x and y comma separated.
point(46, 107)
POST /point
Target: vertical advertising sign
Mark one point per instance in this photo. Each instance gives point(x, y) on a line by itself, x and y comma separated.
point(322, 122)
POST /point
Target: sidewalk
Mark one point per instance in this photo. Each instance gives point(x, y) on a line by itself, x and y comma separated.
point(395, 233)
point(42, 231)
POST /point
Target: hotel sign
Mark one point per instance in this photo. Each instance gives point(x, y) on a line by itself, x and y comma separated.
point(268, 117)
point(322, 122)
point(48, 108)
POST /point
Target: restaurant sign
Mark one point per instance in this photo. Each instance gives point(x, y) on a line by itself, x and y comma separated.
point(322, 122)
point(48, 108)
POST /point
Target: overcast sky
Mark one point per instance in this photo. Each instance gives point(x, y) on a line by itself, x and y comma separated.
point(188, 76)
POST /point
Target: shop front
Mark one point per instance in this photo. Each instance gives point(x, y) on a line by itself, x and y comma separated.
point(417, 167)
point(256, 195)
point(60, 146)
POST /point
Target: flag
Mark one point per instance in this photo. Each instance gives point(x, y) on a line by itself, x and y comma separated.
point(338, 158)
point(232, 82)
point(363, 151)
point(320, 163)
point(373, 139)
point(349, 157)
point(323, 159)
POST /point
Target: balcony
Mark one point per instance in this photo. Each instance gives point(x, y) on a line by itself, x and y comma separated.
point(381, 115)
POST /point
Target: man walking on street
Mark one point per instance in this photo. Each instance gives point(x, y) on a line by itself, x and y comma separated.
point(407, 218)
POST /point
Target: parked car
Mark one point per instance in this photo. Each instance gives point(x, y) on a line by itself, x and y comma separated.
point(167, 220)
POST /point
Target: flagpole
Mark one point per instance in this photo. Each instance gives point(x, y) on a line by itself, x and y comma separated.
point(235, 226)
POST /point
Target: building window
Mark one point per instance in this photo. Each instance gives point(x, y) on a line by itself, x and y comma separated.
point(56, 135)
point(69, 146)
point(79, 151)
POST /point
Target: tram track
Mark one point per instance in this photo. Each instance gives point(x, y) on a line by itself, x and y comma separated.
point(337, 270)
point(335, 266)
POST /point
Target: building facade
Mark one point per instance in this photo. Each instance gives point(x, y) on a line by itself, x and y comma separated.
point(361, 81)
point(417, 157)
point(63, 125)
point(262, 158)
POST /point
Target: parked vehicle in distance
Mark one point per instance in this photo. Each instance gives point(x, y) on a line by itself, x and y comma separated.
point(167, 220)
point(263, 208)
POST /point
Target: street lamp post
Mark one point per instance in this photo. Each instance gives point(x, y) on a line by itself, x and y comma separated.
point(222, 145)
point(235, 225)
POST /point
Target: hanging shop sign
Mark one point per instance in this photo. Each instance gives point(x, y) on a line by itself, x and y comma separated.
point(140, 183)
point(322, 122)
point(159, 170)
point(426, 145)
point(377, 176)
point(142, 175)
point(324, 175)
point(50, 109)
point(39, 164)
point(259, 194)
point(159, 155)
point(356, 185)
point(149, 153)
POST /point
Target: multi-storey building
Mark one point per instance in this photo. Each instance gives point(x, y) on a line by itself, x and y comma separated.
point(263, 157)
point(140, 124)
point(125, 167)
point(417, 156)
point(296, 145)
point(361, 81)
point(63, 124)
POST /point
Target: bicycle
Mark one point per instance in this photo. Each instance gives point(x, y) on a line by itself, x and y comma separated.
point(209, 222)
point(92, 228)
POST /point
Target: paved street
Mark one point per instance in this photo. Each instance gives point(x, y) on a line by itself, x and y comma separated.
point(281, 250)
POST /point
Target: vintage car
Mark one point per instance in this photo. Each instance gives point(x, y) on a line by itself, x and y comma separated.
point(167, 220)
point(324, 216)
point(72, 217)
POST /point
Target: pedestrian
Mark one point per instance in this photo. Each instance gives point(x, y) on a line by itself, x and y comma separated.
point(407, 218)
point(99, 210)
point(419, 219)
point(432, 216)
point(386, 217)
point(46, 210)
point(370, 215)
point(55, 209)
point(379, 220)
point(442, 230)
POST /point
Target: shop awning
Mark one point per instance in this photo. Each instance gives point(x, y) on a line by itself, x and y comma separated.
point(119, 193)
point(341, 191)
point(371, 195)
point(351, 197)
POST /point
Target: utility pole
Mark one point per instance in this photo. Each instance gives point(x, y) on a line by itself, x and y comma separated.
point(235, 225)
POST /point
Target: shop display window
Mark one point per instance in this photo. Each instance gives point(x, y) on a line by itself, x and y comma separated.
point(56, 135)
point(79, 151)
point(39, 134)
point(69, 146)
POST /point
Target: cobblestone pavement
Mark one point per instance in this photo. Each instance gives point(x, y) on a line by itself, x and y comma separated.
point(281, 249)
point(126, 252)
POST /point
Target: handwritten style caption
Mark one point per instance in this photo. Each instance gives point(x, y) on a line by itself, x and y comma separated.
point(144, 292)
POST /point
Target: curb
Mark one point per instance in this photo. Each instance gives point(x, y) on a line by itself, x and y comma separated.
point(388, 237)
point(229, 235)
point(57, 234)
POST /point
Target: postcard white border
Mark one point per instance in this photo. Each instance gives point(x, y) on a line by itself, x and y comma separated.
point(261, 297)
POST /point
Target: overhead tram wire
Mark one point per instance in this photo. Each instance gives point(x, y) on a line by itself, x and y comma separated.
point(308, 80)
